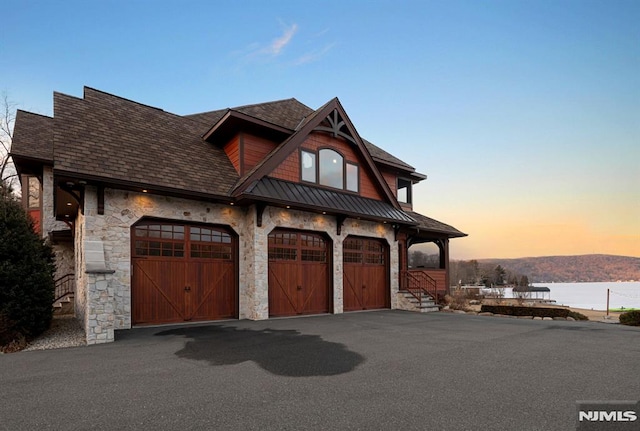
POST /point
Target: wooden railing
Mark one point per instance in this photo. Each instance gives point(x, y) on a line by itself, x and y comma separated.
point(419, 284)
point(65, 285)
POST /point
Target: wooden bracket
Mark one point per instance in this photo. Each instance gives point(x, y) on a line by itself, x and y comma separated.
point(259, 210)
point(396, 230)
point(340, 218)
point(101, 199)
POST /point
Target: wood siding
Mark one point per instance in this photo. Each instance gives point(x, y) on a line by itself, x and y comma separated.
point(391, 178)
point(439, 275)
point(232, 150)
point(254, 150)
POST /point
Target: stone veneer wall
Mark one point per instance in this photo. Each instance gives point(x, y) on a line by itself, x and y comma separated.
point(81, 278)
point(106, 298)
point(64, 252)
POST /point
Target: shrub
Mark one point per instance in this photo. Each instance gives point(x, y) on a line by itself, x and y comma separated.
point(26, 274)
point(577, 316)
point(525, 311)
point(631, 318)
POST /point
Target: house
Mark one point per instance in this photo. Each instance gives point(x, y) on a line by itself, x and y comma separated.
point(273, 209)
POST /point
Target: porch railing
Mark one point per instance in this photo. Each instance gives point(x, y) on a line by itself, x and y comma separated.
point(419, 284)
point(64, 286)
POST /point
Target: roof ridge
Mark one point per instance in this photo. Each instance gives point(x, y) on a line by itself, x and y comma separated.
point(35, 113)
point(133, 102)
point(268, 103)
point(86, 87)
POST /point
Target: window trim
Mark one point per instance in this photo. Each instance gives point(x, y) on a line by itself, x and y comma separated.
point(316, 161)
point(409, 187)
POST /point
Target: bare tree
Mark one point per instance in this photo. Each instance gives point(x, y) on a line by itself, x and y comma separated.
point(8, 174)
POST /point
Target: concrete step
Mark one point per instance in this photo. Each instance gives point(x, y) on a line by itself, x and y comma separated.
point(64, 306)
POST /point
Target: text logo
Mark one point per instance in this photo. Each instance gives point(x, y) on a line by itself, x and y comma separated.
point(608, 415)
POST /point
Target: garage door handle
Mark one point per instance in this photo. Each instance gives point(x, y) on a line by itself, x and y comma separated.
point(187, 288)
point(299, 287)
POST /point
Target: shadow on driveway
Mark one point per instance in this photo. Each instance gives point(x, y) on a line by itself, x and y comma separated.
point(281, 352)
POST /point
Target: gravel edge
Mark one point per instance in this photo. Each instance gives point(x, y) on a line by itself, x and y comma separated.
point(65, 331)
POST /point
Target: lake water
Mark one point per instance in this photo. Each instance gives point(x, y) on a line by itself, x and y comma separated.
point(594, 295)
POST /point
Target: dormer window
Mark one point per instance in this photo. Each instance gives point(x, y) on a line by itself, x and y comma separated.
point(404, 191)
point(328, 168)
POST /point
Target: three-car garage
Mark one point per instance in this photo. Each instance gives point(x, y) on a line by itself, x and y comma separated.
point(185, 272)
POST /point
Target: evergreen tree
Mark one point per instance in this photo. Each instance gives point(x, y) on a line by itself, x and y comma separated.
point(26, 273)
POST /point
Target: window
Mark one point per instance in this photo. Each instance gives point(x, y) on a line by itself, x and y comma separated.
point(404, 191)
point(179, 241)
point(329, 168)
point(352, 177)
point(308, 166)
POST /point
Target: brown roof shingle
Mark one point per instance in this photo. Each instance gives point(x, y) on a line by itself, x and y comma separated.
point(34, 138)
point(109, 137)
point(431, 225)
point(113, 138)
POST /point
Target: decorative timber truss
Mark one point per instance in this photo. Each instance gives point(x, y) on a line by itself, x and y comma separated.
point(334, 123)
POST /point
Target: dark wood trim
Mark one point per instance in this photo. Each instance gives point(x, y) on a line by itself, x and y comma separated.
point(239, 115)
point(101, 199)
point(340, 218)
point(396, 231)
point(357, 165)
point(260, 207)
point(64, 176)
point(241, 152)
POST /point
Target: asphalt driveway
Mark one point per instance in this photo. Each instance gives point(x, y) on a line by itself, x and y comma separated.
point(383, 370)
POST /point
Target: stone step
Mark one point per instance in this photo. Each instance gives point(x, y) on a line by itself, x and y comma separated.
point(427, 305)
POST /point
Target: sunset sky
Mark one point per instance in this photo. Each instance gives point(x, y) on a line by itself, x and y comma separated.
point(525, 115)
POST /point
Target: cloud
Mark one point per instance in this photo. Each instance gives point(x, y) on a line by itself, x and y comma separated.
point(276, 47)
point(312, 56)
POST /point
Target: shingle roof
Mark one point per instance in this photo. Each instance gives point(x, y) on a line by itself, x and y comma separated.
point(380, 155)
point(286, 113)
point(106, 136)
point(290, 114)
point(431, 225)
point(285, 192)
point(109, 137)
point(34, 138)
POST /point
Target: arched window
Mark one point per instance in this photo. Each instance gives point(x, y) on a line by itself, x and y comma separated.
point(328, 167)
point(331, 168)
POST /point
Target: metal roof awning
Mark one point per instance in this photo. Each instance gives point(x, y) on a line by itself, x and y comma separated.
point(323, 200)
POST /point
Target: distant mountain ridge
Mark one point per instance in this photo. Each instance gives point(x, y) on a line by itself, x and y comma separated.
point(573, 269)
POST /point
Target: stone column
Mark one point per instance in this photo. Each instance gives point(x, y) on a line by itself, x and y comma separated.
point(100, 307)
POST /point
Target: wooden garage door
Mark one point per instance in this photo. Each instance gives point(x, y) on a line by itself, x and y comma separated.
point(366, 274)
point(182, 273)
point(298, 274)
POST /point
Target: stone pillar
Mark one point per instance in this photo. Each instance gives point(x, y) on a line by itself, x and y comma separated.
point(100, 307)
